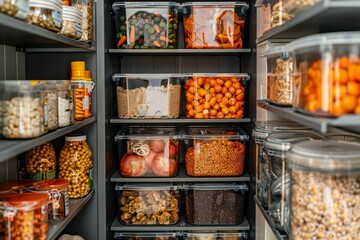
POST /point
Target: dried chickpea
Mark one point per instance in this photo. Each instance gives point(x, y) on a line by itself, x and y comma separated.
point(41, 162)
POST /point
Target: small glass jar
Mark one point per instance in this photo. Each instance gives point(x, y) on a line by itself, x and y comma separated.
point(86, 8)
point(72, 22)
point(65, 104)
point(325, 196)
point(46, 14)
point(51, 100)
point(80, 100)
point(76, 165)
point(17, 8)
point(25, 216)
point(41, 162)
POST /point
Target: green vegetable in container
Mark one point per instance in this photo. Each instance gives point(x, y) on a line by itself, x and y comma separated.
point(151, 30)
point(162, 24)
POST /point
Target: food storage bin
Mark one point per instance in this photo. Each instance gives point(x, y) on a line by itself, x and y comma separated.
point(215, 235)
point(17, 8)
point(147, 236)
point(24, 110)
point(46, 14)
point(279, 15)
point(215, 95)
point(214, 151)
point(293, 7)
point(25, 216)
point(66, 115)
point(266, 15)
point(76, 165)
point(148, 203)
point(148, 151)
point(41, 162)
point(148, 95)
point(146, 24)
point(210, 204)
point(56, 189)
point(81, 103)
point(51, 103)
point(326, 75)
point(71, 22)
point(86, 8)
point(262, 130)
point(325, 197)
point(214, 24)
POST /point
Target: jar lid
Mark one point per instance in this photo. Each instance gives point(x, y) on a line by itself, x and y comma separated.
point(75, 138)
point(25, 199)
point(52, 184)
point(279, 51)
point(45, 4)
point(264, 128)
point(325, 156)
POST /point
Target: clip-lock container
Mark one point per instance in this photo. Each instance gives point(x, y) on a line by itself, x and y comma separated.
point(72, 22)
point(148, 151)
point(46, 14)
point(325, 196)
point(147, 236)
point(17, 8)
point(214, 24)
point(326, 74)
point(211, 204)
point(215, 236)
point(148, 95)
point(146, 24)
point(214, 152)
point(148, 203)
point(215, 95)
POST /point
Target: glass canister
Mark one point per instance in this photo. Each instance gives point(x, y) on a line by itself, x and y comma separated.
point(76, 165)
point(46, 14)
point(65, 104)
point(25, 216)
point(41, 162)
point(17, 8)
point(325, 190)
point(86, 7)
point(51, 99)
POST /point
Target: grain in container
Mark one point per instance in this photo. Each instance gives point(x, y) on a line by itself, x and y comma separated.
point(51, 103)
point(147, 236)
point(146, 24)
point(41, 162)
point(214, 235)
point(213, 204)
point(293, 7)
point(65, 104)
point(46, 14)
point(148, 95)
point(215, 95)
point(148, 203)
point(214, 24)
point(214, 151)
point(86, 8)
point(17, 8)
point(327, 74)
point(72, 22)
point(325, 196)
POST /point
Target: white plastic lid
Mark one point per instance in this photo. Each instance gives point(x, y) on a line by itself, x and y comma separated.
point(276, 52)
point(146, 186)
point(218, 133)
point(215, 4)
point(237, 75)
point(73, 10)
point(75, 138)
point(216, 186)
point(146, 76)
point(46, 4)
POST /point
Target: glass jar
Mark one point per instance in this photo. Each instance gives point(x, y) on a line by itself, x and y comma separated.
point(81, 102)
point(56, 189)
point(65, 104)
point(17, 8)
point(41, 162)
point(51, 101)
point(293, 7)
point(86, 8)
point(72, 22)
point(46, 14)
point(325, 196)
point(278, 13)
point(76, 165)
point(25, 216)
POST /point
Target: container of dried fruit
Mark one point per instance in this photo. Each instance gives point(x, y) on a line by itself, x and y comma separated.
point(214, 204)
point(327, 74)
point(276, 146)
point(214, 24)
point(146, 24)
point(41, 162)
point(147, 236)
point(293, 7)
point(278, 12)
point(148, 95)
point(25, 216)
point(17, 8)
point(215, 235)
point(148, 203)
point(148, 151)
point(215, 95)
point(214, 152)
point(46, 14)
point(325, 196)
point(72, 22)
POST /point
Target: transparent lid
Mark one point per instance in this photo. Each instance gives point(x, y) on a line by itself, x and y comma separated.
point(218, 133)
point(146, 186)
point(24, 85)
point(245, 76)
point(343, 137)
point(215, 4)
point(279, 51)
point(75, 138)
point(145, 76)
point(216, 186)
point(149, 132)
point(264, 128)
point(145, 4)
point(206, 235)
point(325, 156)
point(146, 235)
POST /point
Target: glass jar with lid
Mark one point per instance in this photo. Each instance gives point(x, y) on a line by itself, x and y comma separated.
point(86, 7)
point(17, 8)
point(325, 195)
point(41, 162)
point(65, 104)
point(46, 14)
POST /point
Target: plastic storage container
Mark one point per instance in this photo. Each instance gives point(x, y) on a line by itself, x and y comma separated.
point(215, 236)
point(72, 22)
point(293, 7)
point(65, 104)
point(25, 216)
point(76, 165)
point(146, 24)
point(325, 197)
point(41, 162)
point(266, 15)
point(51, 101)
point(215, 95)
point(86, 8)
point(279, 15)
point(214, 24)
point(327, 74)
point(214, 151)
point(147, 236)
point(148, 204)
point(17, 8)
point(148, 151)
point(148, 95)
point(221, 203)
point(46, 14)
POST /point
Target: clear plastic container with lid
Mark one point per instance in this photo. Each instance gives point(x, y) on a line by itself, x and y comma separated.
point(46, 14)
point(86, 8)
point(147, 236)
point(327, 74)
point(17, 8)
point(25, 216)
point(266, 15)
point(76, 165)
point(146, 24)
point(72, 22)
point(279, 14)
point(214, 24)
point(293, 7)
point(51, 103)
point(215, 235)
point(325, 196)
point(65, 104)
point(41, 162)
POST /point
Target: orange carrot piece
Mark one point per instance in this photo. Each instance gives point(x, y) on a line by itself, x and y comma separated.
point(156, 43)
point(157, 29)
point(132, 34)
point(121, 41)
point(164, 39)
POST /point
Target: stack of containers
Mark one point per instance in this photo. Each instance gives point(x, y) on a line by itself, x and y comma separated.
point(72, 22)
point(46, 14)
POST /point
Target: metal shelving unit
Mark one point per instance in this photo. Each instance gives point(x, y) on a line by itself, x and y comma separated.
point(178, 121)
point(172, 52)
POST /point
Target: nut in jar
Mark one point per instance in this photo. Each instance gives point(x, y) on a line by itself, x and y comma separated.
point(41, 162)
point(76, 165)
point(17, 8)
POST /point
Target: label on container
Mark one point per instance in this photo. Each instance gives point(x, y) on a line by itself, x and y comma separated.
point(57, 17)
point(78, 28)
point(66, 203)
point(23, 8)
point(42, 175)
point(91, 178)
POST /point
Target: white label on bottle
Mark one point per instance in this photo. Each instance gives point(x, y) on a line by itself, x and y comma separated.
point(78, 28)
point(66, 199)
point(23, 8)
point(57, 17)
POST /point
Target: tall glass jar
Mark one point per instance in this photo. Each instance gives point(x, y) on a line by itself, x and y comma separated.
point(325, 190)
point(86, 7)
point(76, 165)
point(65, 104)
point(17, 8)
point(51, 99)
point(41, 162)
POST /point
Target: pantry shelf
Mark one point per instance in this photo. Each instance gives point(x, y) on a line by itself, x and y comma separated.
point(10, 148)
point(75, 206)
point(317, 123)
point(178, 121)
point(234, 52)
point(18, 33)
point(326, 16)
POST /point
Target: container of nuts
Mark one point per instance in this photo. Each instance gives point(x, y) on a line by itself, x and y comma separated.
point(215, 204)
point(147, 236)
point(41, 162)
point(51, 101)
point(72, 22)
point(148, 204)
point(76, 165)
point(46, 14)
point(214, 152)
point(325, 196)
point(86, 8)
point(25, 216)
point(17, 8)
